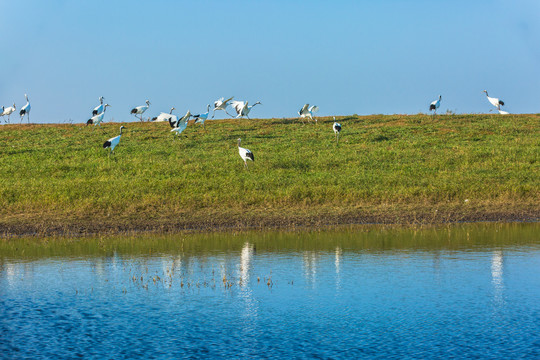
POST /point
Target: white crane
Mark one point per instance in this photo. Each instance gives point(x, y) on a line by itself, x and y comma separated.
point(308, 111)
point(97, 119)
point(113, 142)
point(25, 110)
point(165, 117)
point(337, 129)
point(8, 111)
point(245, 154)
point(494, 101)
point(502, 112)
point(221, 104)
point(139, 110)
point(242, 108)
point(435, 105)
point(201, 118)
point(181, 124)
point(98, 109)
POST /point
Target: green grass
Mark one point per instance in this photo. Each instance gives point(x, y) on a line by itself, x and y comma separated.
point(385, 168)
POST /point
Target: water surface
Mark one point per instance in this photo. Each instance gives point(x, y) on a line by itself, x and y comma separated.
point(369, 292)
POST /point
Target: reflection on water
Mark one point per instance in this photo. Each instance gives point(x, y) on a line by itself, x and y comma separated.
point(462, 291)
point(497, 275)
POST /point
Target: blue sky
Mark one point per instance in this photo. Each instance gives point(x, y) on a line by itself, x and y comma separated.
point(363, 57)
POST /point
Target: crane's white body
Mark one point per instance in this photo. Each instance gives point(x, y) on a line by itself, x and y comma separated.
point(494, 101)
point(181, 124)
point(97, 119)
point(201, 118)
point(8, 111)
point(139, 110)
point(221, 104)
point(245, 154)
point(25, 110)
point(242, 108)
point(502, 112)
point(98, 109)
point(165, 117)
point(113, 142)
point(435, 105)
point(308, 111)
point(337, 129)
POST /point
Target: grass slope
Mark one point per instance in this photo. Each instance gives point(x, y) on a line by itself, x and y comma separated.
point(390, 169)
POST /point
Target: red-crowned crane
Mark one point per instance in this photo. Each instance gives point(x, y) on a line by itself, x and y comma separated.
point(201, 118)
point(98, 109)
point(307, 111)
point(337, 129)
point(245, 154)
point(97, 119)
point(494, 101)
point(25, 110)
point(8, 111)
point(221, 104)
point(165, 117)
point(139, 110)
point(181, 124)
point(113, 142)
point(242, 108)
point(435, 105)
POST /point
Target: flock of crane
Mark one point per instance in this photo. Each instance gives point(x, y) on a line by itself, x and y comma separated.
point(242, 108)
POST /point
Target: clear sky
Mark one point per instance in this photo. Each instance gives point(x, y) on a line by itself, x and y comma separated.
point(347, 57)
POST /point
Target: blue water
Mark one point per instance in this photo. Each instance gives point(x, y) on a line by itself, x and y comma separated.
point(303, 301)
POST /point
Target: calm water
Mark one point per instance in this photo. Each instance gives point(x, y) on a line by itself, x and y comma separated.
point(465, 291)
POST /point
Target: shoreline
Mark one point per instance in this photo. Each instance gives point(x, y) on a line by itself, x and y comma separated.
point(57, 180)
point(57, 228)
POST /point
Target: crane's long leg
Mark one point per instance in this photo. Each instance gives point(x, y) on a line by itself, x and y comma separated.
point(228, 113)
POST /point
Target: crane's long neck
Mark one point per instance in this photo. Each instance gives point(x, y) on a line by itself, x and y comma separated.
point(239, 142)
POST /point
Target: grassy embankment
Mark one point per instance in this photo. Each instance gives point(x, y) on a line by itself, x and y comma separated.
point(387, 169)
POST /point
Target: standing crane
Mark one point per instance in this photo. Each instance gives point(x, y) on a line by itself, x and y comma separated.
point(245, 154)
point(308, 111)
point(242, 108)
point(139, 110)
point(221, 104)
point(337, 129)
point(435, 105)
point(98, 109)
point(8, 111)
point(201, 118)
point(113, 142)
point(25, 110)
point(97, 119)
point(494, 101)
